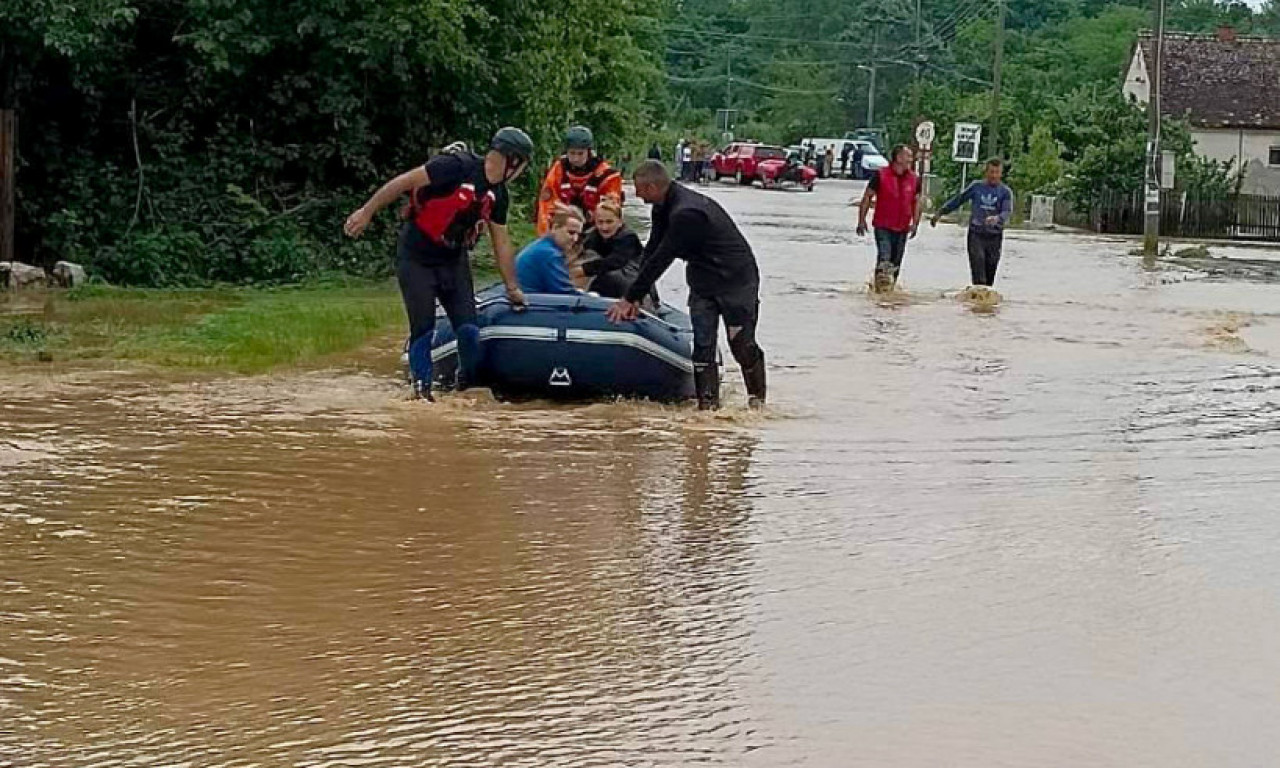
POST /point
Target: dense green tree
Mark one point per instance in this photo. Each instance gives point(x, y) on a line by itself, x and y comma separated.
point(192, 140)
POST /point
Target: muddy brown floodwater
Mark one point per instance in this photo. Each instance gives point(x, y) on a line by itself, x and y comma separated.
point(1045, 535)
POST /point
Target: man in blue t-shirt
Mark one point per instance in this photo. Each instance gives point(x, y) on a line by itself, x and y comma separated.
point(991, 206)
point(541, 267)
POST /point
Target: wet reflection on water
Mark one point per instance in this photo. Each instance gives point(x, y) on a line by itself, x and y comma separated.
point(1040, 533)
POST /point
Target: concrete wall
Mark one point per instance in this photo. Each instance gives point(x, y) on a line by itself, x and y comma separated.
point(1249, 150)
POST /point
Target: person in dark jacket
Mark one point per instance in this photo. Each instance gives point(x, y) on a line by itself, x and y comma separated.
point(724, 280)
point(611, 255)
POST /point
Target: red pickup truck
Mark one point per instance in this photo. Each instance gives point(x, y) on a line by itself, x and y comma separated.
point(742, 161)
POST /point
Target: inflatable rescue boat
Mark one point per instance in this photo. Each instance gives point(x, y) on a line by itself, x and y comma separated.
point(562, 347)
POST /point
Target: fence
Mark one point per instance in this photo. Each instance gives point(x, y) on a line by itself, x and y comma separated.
point(1236, 217)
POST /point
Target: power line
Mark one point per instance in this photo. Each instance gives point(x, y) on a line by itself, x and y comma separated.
point(978, 12)
point(794, 91)
point(745, 36)
point(962, 7)
point(808, 63)
point(962, 13)
point(957, 73)
point(753, 84)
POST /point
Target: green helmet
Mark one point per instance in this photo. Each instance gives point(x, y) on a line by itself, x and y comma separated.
point(579, 137)
point(513, 143)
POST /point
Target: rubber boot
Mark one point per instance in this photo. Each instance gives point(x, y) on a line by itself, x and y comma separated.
point(885, 278)
point(756, 383)
point(420, 366)
point(707, 382)
point(468, 356)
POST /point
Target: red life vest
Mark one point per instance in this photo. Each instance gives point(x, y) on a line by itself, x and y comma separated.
point(582, 189)
point(454, 218)
point(896, 200)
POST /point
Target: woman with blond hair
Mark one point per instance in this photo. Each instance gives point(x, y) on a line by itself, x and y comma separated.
point(611, 254)
point(541, 267)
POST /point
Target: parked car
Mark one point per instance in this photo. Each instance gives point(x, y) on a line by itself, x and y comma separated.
point(779, 172)
point(741, 161)
point(872, 160)
point(872, 135)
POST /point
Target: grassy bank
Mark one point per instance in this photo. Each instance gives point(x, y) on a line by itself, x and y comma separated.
point(242, 330)
point(233, 329)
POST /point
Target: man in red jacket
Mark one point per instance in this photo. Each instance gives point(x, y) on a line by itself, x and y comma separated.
point(895, 190)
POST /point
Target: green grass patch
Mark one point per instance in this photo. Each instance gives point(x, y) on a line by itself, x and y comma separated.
point(482, 261)
point(244, 330)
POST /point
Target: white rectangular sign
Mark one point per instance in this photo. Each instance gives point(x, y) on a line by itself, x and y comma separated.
point(964, 149)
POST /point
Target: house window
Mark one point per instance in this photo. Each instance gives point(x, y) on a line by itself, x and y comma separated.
point(1274, 160)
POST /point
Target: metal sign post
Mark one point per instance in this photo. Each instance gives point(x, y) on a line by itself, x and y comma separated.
point(965, 144)
point(926, 133)
point(964, 148)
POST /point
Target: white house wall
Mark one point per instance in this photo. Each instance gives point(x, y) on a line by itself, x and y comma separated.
point(1250, 150)
point(1136, 84)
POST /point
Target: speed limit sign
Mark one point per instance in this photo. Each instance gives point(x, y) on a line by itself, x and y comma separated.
point(925, 134)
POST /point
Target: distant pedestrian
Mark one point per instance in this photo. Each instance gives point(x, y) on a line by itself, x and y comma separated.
point(990, 208)
point(678, 158)
point(844, 159)
point(699, 154)
point(829, 161)
point(687, 158)
point(895, 190)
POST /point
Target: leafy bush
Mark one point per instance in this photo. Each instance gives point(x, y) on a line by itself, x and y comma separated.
point(189, 141)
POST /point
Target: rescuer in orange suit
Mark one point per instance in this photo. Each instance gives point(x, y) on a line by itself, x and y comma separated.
point(579, 178)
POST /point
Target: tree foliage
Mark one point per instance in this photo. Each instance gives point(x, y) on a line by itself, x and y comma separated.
point(203, 140)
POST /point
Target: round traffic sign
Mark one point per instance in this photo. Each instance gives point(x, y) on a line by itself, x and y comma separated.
point(925, 134)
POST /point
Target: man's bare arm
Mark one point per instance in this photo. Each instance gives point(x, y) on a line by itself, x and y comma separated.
point(390, 192)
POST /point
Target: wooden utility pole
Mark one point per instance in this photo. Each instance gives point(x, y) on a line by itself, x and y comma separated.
point(1151, 198)
point(8, 187)
point(995, 78)
point(915, 98)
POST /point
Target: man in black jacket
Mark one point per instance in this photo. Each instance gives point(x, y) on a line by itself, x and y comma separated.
point(724, 281)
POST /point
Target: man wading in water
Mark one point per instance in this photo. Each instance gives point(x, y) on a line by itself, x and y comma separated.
point(724, 281)
point(895, 190)
point(455, 196)
point(991, 206)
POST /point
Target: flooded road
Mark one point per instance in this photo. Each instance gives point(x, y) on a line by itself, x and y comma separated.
point(1044, 535)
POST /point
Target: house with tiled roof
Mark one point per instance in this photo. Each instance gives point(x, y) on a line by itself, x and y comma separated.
point(1227, 88)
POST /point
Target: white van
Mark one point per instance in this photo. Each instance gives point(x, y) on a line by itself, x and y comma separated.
point(872, 160)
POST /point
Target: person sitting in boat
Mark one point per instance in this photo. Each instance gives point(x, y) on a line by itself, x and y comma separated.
point(611, 253)
point(579, 178)
point(543, 266)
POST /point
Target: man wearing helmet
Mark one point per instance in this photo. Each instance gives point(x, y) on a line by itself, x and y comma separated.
point(455, 197)
point(579, 178)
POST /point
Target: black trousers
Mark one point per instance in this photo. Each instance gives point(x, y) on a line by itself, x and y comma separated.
point(984, 256)
point(421, 286)
point(614, 285)
point(740, 311)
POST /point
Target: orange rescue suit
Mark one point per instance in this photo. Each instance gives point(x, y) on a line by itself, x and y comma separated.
point(583, 187)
